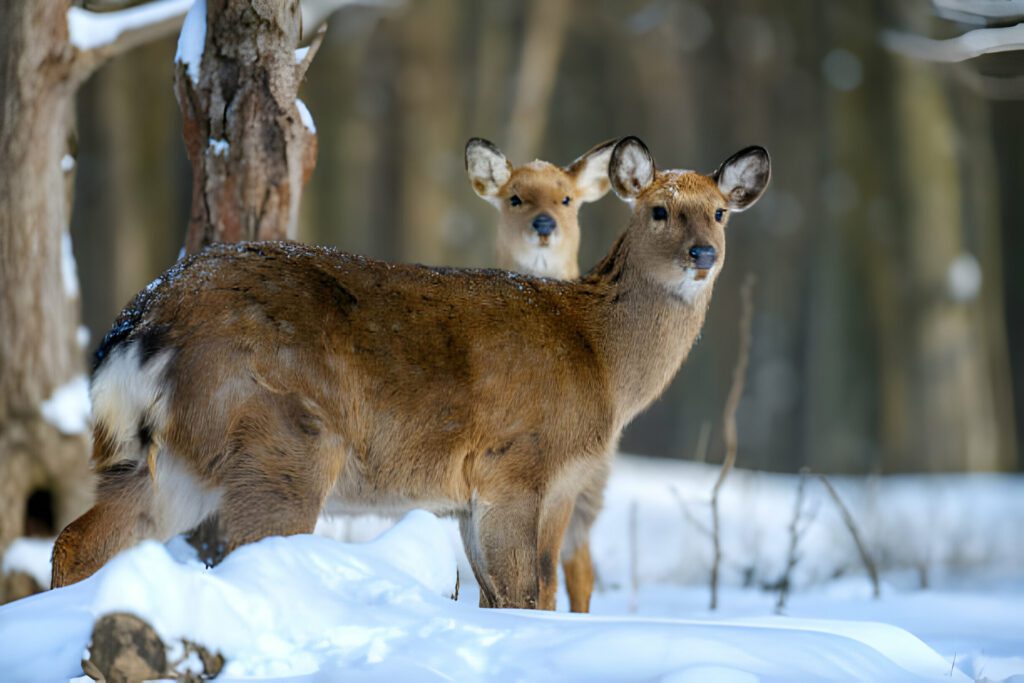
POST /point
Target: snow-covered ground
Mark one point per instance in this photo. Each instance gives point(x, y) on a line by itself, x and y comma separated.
point(312, 608)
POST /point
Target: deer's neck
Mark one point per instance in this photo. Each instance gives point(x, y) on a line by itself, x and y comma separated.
point(645, 333)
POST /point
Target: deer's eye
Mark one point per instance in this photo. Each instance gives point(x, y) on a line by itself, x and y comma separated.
point(514, 200)
point(659, 213)
point(718, 214)
point(566, 201)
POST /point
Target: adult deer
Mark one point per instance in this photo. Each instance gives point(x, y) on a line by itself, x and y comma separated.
point(538, 205)
point(257, 380)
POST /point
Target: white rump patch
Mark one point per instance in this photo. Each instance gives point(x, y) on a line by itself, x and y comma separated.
point(123, 391)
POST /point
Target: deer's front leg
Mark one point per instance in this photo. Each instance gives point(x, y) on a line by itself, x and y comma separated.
point(553, 522)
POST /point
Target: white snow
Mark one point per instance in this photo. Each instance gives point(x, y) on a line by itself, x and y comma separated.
point(89, 30)
point(68, 267)
point(307, 118)
point(192, 40)
point(68, 408)
point(219, 148)
point(29, 555)
point(67, 163)
point(300, 54)
point(314, 608)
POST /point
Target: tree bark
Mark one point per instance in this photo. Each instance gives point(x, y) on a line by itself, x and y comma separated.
point(251, 153)
point(38, 308)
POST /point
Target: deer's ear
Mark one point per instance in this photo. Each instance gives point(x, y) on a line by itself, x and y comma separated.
point(743, 177)
point(590, 172)
point(487, 167)
point(631, 168)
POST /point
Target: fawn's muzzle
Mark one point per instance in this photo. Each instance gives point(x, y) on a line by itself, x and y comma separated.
point(703, 257)
point(544, 225)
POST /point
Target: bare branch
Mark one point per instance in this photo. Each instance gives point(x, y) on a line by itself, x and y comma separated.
point(547, 22)
point(865, 556)
point(315, 13)
point(99, 36)
point(703, 440)
point(972, 44)
point(309, 53)
point(796, 531)
point(732, 402)
point(634, 568)
point(687, 514)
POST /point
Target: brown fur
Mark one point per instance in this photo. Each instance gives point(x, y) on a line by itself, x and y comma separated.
point(290, 374)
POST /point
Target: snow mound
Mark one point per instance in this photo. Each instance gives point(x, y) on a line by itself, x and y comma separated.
point(305, 605)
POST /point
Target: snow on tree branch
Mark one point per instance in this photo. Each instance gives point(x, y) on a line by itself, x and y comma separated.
point(98, 36)
point(972, 44)
point(192, 40)
point(981, 11)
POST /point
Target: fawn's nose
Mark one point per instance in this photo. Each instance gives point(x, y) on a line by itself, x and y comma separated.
point(703, 256)
point(544, 225)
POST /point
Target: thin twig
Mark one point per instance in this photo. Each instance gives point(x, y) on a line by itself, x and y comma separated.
point(311, 50)
point(703, 440)
point(634, 570)
point(732, 402)
point(795, 532)
point(865, 556)
point(687, 514)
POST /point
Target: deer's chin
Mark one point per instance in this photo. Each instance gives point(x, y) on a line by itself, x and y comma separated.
point(693, 282)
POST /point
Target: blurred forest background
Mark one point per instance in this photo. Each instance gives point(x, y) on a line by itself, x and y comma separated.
point(889, 325)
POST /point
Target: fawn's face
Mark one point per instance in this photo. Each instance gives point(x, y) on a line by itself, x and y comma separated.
point(538, 204)
point(679, 217)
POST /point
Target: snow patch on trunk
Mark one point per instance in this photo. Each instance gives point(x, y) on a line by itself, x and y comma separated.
point(192, 40)
point(90, 30)
point(68, 267)
point(307, 118)
point(68, 408)
point(29, 555)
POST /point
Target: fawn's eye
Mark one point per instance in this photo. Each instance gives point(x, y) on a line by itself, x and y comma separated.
point(659, 213)
point(718, 214)
point(514, 200)
point(566, 201)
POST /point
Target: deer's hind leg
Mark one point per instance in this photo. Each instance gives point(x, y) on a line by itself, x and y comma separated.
point(121, 517)
point(281, 467)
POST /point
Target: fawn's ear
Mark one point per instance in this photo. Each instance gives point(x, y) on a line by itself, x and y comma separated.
point(590, 172)
point(487, 167)
point(631, 168)
point(743, 177)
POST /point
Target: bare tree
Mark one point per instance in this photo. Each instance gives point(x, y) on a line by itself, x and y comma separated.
point(251, 141)
point(47, 50)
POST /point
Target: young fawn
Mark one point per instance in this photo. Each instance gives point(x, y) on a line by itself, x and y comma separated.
point(538, 205)
point(539, 234)
point(256, 380)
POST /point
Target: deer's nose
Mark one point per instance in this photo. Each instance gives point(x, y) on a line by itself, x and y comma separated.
point(703, 256)
point(544, 225)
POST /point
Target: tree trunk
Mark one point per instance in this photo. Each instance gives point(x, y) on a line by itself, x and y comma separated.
point(250, 150)
point(38, 300)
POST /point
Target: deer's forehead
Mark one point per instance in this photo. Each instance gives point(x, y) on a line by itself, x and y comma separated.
point(683, 187)
point(541, 176)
